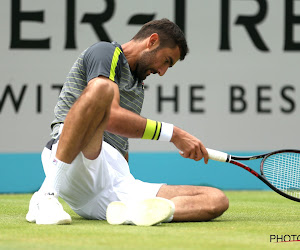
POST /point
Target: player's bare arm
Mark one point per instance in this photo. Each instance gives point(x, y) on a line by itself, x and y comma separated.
point(131, 125)
point(122, 121)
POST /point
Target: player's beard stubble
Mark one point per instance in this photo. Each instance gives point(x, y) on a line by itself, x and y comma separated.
point(143, 68)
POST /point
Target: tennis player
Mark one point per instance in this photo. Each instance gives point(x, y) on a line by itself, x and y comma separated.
point(86, 160)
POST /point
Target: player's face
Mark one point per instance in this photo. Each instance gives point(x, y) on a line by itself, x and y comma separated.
point(156, 61)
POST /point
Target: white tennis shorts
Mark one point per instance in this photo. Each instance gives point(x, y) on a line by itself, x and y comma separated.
point(90, 185)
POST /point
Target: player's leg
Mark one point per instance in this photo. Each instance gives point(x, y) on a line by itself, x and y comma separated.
point(195, 203)
point(84, 126)
point(83, 131)
point(86, 121)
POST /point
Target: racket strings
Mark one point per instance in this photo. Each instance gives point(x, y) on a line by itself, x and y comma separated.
point(282, 170)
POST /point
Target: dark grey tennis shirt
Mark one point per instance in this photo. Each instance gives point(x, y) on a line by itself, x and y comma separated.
point(101, 59)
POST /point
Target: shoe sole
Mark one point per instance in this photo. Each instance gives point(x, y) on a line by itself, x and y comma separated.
point(148, 212)
point(116, 213)
point(59, 222)
point(47, 221)
point(38, 221)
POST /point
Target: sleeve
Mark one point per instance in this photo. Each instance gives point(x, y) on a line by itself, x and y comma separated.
point(103, 59)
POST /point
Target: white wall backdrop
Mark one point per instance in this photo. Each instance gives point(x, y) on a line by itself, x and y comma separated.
point(238, 89)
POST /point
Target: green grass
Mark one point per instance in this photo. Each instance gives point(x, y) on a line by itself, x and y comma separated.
point(248, 224)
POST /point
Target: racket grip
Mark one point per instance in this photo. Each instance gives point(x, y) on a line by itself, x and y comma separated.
point(217, 155)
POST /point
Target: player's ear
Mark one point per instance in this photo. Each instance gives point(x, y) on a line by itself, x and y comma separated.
point(153, 41)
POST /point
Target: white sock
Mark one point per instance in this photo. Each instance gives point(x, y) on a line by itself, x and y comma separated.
point(55, 175)
point(61, 169)
point(48, 184)
point(49, 170)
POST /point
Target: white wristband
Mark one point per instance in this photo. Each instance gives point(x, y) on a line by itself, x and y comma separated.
point(166, 131)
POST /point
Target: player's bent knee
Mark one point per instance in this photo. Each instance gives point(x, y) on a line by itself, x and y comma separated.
point(103, 89)
point(219, 204)
point(99, 94)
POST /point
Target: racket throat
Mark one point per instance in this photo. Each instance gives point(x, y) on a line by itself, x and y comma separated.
point(228, 158)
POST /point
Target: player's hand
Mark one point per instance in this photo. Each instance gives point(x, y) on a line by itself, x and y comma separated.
point(189, 146)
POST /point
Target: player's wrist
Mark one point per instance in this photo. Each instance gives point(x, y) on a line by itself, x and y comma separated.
point(176, 132)
point(167, 130)
point(156, 130)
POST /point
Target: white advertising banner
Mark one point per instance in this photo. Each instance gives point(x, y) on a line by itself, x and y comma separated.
point(237, 90)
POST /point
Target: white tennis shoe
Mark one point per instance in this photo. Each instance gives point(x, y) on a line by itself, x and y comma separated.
point(47, 210)
point(147, 212)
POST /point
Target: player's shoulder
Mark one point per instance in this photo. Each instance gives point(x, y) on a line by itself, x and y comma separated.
point(104, 47)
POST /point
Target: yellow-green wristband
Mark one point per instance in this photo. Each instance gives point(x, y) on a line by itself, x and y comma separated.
point(158, 131)
point(152, 130)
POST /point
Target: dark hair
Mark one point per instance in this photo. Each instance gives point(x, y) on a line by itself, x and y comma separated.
point(170, 35)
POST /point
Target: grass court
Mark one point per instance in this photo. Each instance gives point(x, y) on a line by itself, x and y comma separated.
point(252, 218)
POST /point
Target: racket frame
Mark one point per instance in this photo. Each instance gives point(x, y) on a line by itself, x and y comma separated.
point(236, 161)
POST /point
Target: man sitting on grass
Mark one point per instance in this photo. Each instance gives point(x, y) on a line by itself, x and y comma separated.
point(98, 109)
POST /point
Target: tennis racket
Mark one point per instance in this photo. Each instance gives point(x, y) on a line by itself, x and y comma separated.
point(280, 170)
